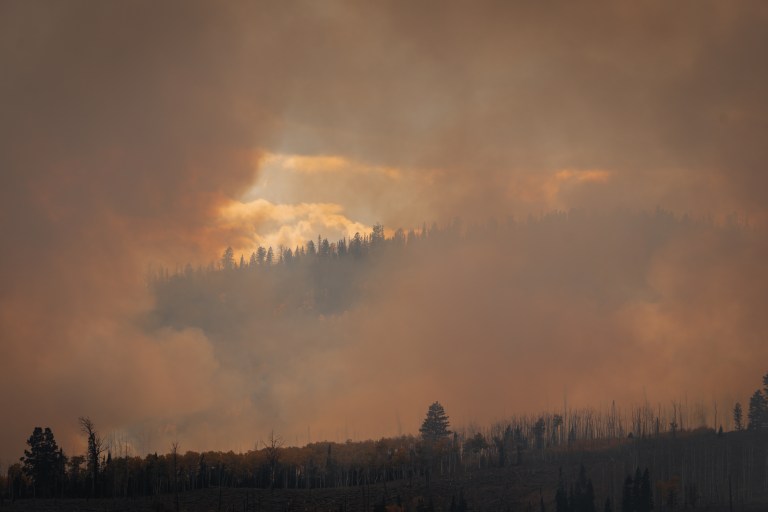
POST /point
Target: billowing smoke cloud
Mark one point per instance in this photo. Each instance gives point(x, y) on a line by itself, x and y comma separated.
point(124, 130)
point(582, 308)
point(127, 129)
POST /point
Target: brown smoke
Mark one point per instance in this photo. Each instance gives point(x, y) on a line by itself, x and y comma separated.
point(126, 128)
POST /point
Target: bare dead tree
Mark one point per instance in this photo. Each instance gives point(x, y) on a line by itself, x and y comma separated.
point(175, 459)
point(95, 449)
point(272, 449)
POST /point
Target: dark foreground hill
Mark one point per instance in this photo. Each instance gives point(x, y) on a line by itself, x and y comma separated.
point(685, 474)
point(487, 489)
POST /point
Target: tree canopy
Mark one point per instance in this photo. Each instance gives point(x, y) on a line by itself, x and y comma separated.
point(758, 411)
point(435, 425)
point(44, 461)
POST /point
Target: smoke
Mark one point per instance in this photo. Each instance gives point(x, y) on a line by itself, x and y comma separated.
point(130, 132)
point(512, 319)
point(122, 138)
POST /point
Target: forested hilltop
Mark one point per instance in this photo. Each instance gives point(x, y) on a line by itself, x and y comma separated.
point(600, 256)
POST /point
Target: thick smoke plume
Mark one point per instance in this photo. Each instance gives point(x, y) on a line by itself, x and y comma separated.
point(130, 132)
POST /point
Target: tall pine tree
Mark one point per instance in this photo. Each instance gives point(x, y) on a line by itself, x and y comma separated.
point(758, 411)
point(43, 462)
point(435, 425)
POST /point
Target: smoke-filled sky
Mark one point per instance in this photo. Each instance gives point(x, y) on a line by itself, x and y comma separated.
point(138, 134)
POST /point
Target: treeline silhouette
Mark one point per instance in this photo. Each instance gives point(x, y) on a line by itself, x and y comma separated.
point(588, 253)
point(684, 466)
point(690, 459)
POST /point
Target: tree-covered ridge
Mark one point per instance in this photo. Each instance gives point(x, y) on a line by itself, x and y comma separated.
point(601, 257)
point(598, 464)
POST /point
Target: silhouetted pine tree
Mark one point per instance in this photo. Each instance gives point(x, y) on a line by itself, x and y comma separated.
point(435, 425)
point(758, 411)
point(738, 417)
point(228, 259)
point(43, 462)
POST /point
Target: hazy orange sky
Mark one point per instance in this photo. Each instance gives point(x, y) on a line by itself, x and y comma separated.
point(139, 134)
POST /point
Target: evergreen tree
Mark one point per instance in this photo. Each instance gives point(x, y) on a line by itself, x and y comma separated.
point(356, 245)
point(377, 235)
point(261, 255)
point(435, 425)
point(43, 462)
point(758, 411)
point(228, 259)
point(738, 417)
point(324, 248)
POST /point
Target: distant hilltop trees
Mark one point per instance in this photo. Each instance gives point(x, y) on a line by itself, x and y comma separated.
point(361, 245)
point(587, 253)
point(357, 246)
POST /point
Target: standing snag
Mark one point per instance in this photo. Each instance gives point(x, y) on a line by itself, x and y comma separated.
point(272, 449)
point(95, 448)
